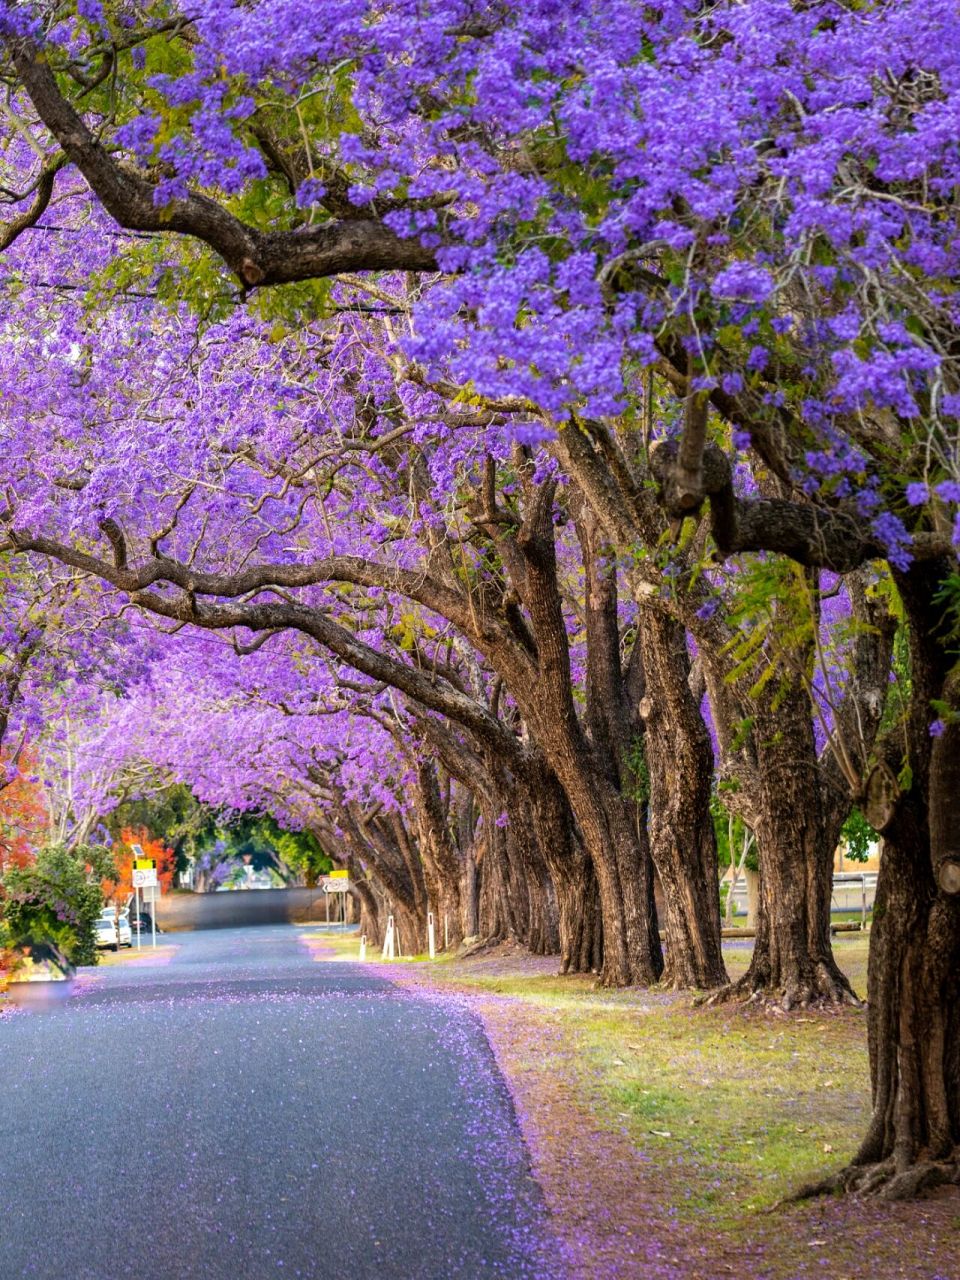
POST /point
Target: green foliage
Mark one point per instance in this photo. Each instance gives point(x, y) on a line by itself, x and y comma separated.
point(858, 836)
point(637, 782)
point(726, 825)
point(301, 851)
point(260, 838)
point(193, 829)
point(948, 595)
point(776, 626)
point(57, 899)
point(173, 814)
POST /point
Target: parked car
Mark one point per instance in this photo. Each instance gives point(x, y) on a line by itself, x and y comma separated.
point(113, 931)
point(143, 923)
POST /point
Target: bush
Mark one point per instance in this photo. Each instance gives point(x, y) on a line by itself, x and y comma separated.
point(57, 899)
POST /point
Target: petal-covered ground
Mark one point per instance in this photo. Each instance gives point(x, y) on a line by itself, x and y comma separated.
point(229, 1110)
point(665, 1137)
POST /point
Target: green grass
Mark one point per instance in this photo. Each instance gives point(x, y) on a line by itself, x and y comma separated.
point(739, 1105)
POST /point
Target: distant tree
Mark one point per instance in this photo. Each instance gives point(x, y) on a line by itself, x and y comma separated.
point(23, 816)
point(117, 884)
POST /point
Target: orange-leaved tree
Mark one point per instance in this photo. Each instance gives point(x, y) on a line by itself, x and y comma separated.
point(23, 815)
point(120, 889)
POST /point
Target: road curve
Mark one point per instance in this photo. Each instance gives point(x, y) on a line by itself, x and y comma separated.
point(240, 1110)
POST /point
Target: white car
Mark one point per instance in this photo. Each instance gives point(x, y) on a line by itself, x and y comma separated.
point(113, 932)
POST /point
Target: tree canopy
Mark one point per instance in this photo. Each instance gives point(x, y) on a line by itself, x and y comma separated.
point(500, 433)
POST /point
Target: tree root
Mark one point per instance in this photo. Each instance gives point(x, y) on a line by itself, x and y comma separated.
point(821, 989)
point(468, 949)
point(883, 1180)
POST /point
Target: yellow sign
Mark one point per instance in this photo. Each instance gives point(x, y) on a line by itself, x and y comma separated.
point(144, 864)
point(339, 875)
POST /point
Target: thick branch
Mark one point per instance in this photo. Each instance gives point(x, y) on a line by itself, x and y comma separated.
point(811, 535)
point(256, 257)
point(258, 577)
point(30, 217)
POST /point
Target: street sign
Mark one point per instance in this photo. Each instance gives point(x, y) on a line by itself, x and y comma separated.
point(335, 884)
point(151, 893)
point(144, 864)
point(144, 877)
point(339, 875)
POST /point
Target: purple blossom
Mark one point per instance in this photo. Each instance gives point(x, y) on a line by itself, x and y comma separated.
point(745, 281)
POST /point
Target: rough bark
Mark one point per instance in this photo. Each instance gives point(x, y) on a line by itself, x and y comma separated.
point(370, 914)
point(258, 258)
point(579, 932)
point(913, 1141)
point(779, 796)
point(683, 845)
point(619, 851)
point(443, 873)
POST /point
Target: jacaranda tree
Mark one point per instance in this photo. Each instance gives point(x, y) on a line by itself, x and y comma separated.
point(694, 263)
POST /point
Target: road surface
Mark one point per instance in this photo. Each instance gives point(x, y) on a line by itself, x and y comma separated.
point(240, 1110)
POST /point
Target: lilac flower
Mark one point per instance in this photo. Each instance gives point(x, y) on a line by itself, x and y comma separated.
point(745, 281)
point(309, 193)
point(895, 538)
point(757, 359)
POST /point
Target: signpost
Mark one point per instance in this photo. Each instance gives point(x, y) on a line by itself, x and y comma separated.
point(336, 882)
point(145, 877)
point(388, 941)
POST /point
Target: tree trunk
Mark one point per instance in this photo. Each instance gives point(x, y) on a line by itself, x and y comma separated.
point(370, 922)
point(793, 959)
point(779, 796)
point(914, 1028)
point(586, 767)
point(442, 871)
point(410, 929)
point(632, 954)
point(581, 928)
point(573, 928)
point(913, 1141)
point(468, 892)
point(504, 912)
point(683, 843)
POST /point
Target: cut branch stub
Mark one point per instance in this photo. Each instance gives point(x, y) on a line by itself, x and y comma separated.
point(948, 875)
point(682, 490)
point(880, 797)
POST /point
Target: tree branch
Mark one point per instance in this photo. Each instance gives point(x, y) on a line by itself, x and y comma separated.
point(810, 535)
point(255, 257)
point(41, 200)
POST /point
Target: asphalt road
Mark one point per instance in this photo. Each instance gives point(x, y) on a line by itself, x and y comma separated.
point(242, 1110)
